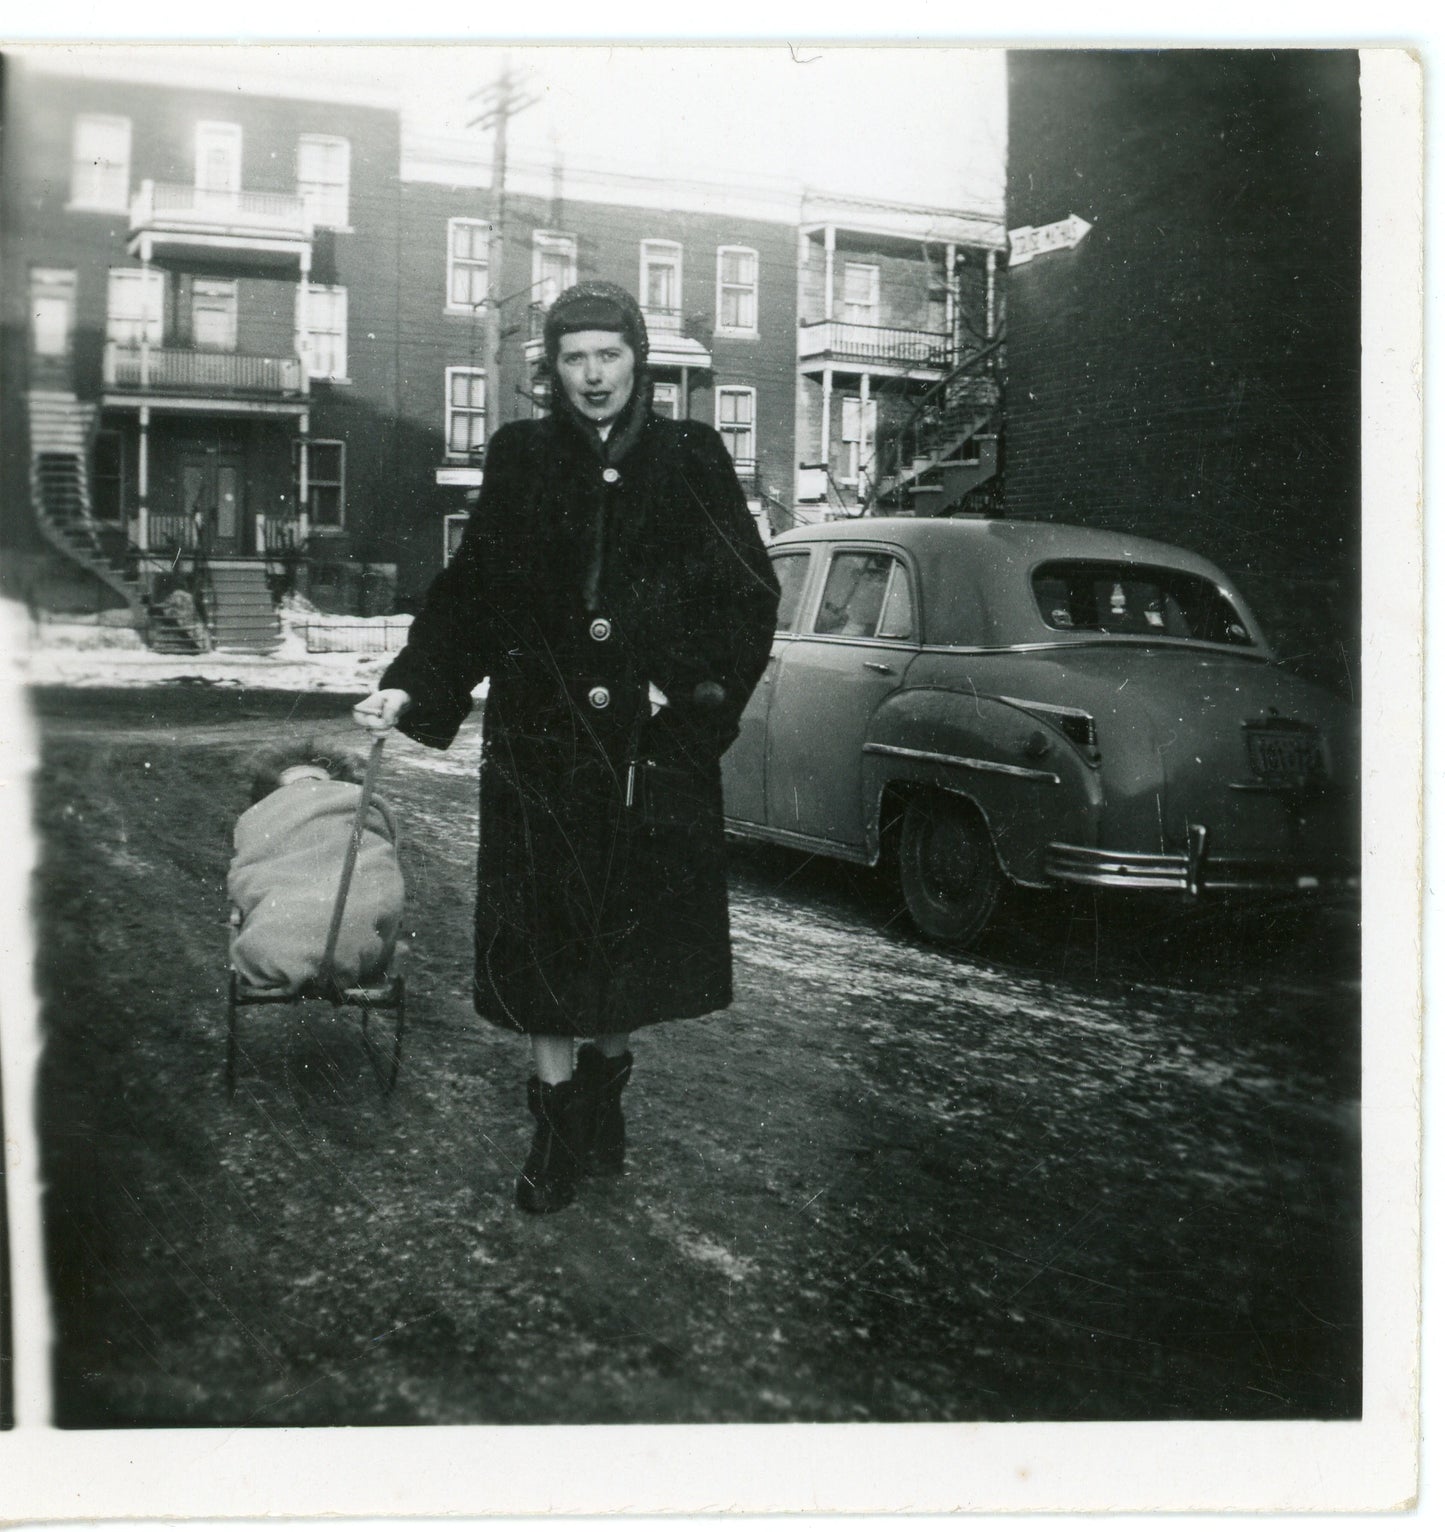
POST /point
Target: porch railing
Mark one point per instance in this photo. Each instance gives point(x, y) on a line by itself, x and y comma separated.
point(173, 205)
point(663, 321)
point(172, 367)
point(847, 341)
point(174, 532)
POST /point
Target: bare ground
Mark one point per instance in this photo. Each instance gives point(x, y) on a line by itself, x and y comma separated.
point(1106, 1168)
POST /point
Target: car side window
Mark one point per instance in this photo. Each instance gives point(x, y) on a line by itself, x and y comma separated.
point(898, 609)
point(855, 593)
point(791, 570)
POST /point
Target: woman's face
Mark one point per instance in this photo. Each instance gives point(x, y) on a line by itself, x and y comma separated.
point(597, 368)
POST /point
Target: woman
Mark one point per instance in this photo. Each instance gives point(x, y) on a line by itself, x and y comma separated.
point(614, 588)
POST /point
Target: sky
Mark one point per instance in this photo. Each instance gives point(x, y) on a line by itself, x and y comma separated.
point(918, 124)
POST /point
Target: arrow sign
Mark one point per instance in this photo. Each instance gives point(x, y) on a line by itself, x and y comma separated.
point(1029, 241)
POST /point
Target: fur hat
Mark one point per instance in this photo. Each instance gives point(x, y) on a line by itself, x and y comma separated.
point(595, 306)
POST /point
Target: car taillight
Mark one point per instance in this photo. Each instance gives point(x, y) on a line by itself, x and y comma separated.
point(1080, 728)
point(1073, 723)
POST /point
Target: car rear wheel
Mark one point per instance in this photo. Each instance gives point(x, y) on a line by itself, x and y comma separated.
point(948, 869)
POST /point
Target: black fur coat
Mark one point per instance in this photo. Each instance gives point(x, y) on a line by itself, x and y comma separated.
point(588, 571)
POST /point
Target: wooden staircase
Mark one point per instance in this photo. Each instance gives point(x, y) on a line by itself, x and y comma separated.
point(239, 608)
point(928, 474)
point(61, 428)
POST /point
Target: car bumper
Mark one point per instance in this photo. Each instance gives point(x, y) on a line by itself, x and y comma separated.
point(1196, 872)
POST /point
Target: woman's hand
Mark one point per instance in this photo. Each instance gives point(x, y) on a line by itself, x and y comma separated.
point(380, 711)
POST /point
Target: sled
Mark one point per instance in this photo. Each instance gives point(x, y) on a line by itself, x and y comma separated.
point(385, 992)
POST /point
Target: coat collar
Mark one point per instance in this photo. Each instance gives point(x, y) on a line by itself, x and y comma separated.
point(626, 430)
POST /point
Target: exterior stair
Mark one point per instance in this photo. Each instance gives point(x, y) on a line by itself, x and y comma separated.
point(61, 428)
point(240, 610)
point(927, 472)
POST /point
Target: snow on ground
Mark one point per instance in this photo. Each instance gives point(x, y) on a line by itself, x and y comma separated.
point(77, 652)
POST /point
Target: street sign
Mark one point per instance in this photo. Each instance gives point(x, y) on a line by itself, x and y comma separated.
point(1029, 241)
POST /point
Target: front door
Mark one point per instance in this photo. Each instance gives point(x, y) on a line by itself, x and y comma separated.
point(213, 491)
point(745, 764)
point(827, 685)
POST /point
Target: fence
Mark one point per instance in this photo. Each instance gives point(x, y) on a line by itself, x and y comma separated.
point(354, 635)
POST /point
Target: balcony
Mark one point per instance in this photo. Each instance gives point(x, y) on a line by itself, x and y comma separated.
point(887, 349)
point(220, 381)
point(229, 232)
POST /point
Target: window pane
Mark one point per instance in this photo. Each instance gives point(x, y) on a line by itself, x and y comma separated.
point(326, 504)
point(325, 462)
point(898, 614)
point(792, 572)
point(853, 596)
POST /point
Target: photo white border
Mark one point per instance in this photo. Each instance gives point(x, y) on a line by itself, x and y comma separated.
point(1283, 1467)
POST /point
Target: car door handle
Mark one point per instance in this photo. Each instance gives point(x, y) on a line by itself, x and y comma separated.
point(883, 670)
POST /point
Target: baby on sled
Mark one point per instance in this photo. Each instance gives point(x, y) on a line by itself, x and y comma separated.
point(291, 845)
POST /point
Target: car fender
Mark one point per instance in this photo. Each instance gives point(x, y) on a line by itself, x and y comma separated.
point(1030, 783)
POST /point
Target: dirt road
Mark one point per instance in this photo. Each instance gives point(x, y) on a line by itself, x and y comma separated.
point(1105, 1168)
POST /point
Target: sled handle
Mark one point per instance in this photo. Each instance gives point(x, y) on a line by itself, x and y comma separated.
point(353, 846)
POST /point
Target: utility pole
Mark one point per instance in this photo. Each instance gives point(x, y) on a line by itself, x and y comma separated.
point(499, 103)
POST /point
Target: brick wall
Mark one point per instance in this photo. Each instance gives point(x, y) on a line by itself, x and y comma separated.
point(39, 228)
point(609, 239)
point(1191, 370)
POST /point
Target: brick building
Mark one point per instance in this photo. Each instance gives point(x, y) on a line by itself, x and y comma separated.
point(182, 275)
point(1189, 369)
point(245, 343)
point(718, 289)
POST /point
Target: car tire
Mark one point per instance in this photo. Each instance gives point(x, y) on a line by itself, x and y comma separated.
point(947, 868)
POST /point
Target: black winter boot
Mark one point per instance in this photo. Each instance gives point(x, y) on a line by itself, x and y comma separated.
point(549, 1178)
point(604, 1145)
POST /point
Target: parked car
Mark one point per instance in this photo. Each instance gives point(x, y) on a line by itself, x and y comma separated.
point(987, 700)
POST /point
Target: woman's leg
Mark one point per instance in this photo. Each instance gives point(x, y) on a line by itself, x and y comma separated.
point(604, 1067)
point(559, 1107)
point(551, 1058)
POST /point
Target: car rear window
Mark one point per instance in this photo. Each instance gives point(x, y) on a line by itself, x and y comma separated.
point(1085, 595)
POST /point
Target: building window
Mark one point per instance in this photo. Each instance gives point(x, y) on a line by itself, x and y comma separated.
point(323, 177)
point(100, 164)
point(52, 310)
point(468, 250)
point(325, 503)
point(218, 156)
point(213, 315)
point(737, 290)
point(134, 306)
point(326, 329)
point(860, 293)
point(667, 400)
point(466, 411)
point(554, 266)
point(660, 282)
point(859, 429)
point(107, 477)
point(735, 415)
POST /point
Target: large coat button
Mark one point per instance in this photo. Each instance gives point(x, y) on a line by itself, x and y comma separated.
point(600, 629)
point(611, 476)
point(599, 696)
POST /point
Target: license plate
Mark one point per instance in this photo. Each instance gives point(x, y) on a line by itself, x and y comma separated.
point(1290, 756)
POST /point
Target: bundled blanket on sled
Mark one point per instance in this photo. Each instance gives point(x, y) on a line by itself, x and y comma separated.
point(283, 880)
